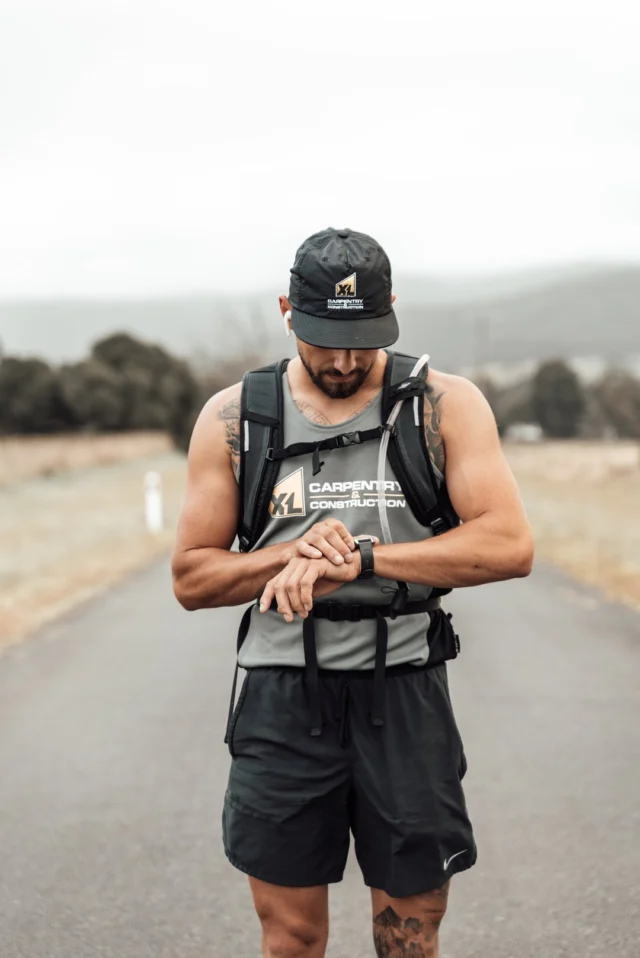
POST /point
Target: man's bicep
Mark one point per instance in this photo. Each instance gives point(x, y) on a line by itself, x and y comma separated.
point(479, 479)
point(210, 509)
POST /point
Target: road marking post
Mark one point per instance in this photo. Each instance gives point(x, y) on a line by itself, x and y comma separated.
point(153, 511)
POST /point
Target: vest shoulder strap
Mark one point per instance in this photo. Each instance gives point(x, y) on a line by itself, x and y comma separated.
point(408, 453)
point(261, 428)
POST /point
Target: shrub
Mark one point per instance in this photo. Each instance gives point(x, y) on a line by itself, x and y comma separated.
point(558, 400)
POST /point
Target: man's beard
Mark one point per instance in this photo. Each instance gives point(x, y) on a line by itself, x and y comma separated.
point(337, 390)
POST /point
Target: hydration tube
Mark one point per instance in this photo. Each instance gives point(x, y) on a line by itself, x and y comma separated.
point(382, 454)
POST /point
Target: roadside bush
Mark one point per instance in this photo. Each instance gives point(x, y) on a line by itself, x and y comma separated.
point(513, 405)
point(619, 396)
point(29, 397)
point(558, 400)
point(92, 394)
point(159, 391)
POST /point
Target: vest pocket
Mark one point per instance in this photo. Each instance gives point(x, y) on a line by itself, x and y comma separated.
point(443, 642)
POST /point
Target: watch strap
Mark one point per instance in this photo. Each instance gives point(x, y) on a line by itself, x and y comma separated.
point(365, 546)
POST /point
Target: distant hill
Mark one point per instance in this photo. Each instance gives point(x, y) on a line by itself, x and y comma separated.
point(461, 321)
point(596, 313)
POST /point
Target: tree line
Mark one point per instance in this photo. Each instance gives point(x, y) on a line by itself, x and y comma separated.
point(126, 384)
point(564, 407)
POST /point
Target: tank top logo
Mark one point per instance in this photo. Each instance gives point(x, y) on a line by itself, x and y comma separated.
point(287, 498)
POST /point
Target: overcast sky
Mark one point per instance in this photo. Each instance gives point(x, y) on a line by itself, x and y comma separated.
point(150, 146)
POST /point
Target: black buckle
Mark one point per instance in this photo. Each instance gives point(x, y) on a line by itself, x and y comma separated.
point(269, 454)
point(439, 526)
point(399, 601)
point(354, 613)
point(349, 439)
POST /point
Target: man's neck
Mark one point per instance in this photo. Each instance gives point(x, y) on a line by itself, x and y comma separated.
point(322, 409)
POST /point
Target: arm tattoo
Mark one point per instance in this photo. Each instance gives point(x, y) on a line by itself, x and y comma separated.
point(311, 413)
point(230, 415)
point(432, 433)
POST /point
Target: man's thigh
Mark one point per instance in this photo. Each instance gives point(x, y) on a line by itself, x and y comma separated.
point(286, 819)
point(409, 816)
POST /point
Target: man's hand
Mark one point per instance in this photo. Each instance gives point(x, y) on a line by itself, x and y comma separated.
point(302, 579)
point(329, 539)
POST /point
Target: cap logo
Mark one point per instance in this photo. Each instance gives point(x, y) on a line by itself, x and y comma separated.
point(346, 288)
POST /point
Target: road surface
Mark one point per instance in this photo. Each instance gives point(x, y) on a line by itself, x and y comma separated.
point(112, 774)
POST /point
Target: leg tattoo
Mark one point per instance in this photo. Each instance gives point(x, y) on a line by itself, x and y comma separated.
point(412, 935)
point(395, 936)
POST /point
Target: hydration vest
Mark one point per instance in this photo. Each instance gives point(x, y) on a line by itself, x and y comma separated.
point(402, 432)
point(262, 450)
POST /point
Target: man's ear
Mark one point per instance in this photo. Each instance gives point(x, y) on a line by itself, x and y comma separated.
point(393, 298)
point(284, 304)
point(285, 309)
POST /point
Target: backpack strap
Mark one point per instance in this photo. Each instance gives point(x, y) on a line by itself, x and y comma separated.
point(408, 453)
point(335, 442)
point(261, 429)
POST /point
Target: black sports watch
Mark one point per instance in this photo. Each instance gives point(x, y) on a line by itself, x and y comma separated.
point(364, 544)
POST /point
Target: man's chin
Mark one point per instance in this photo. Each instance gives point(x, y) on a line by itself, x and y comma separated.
point(335, 389)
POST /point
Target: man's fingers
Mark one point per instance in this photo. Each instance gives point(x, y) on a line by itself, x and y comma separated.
point(268, 595)
point(339, 543)
point(329, 544)
point(284, 606)
point(308, 551)
point(307, 583)
point(306, 594)
point(343, 532)
point(293, 593)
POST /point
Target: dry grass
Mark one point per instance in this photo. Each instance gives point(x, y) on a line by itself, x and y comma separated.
point(68, 537)
point(583, 501)
point(23, 457)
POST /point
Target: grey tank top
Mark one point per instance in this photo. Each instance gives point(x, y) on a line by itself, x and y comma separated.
point(345, 489)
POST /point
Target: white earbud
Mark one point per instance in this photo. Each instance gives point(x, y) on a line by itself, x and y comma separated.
point(287, 317)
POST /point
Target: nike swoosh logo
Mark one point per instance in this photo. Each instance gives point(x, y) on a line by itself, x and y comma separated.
point(448, 861)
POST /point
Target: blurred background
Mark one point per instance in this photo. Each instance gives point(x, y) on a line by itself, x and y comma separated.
point(159, 165)
point(159, 169)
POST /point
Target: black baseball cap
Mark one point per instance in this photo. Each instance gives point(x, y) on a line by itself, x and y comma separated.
point(340, 292)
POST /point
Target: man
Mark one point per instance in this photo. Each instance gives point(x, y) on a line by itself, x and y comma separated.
point(344, 722)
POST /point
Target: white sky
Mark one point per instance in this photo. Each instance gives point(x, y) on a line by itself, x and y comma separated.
point(148, 146)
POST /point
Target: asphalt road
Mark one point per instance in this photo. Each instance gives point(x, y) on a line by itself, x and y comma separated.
point(112, 774)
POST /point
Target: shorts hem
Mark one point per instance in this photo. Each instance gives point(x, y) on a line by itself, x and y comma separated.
point(422, 888)
point(270, 880)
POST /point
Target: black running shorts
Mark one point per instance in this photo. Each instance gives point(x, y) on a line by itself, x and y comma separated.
point(293, 799)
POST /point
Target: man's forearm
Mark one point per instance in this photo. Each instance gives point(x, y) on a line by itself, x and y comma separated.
point(209, 578)
point(472, 554)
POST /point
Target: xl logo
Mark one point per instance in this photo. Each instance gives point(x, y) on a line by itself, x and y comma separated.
point(346, 287)
point(287, 498)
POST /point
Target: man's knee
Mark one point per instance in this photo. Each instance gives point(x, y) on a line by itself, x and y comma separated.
point(293, 940)
point(294, 921)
